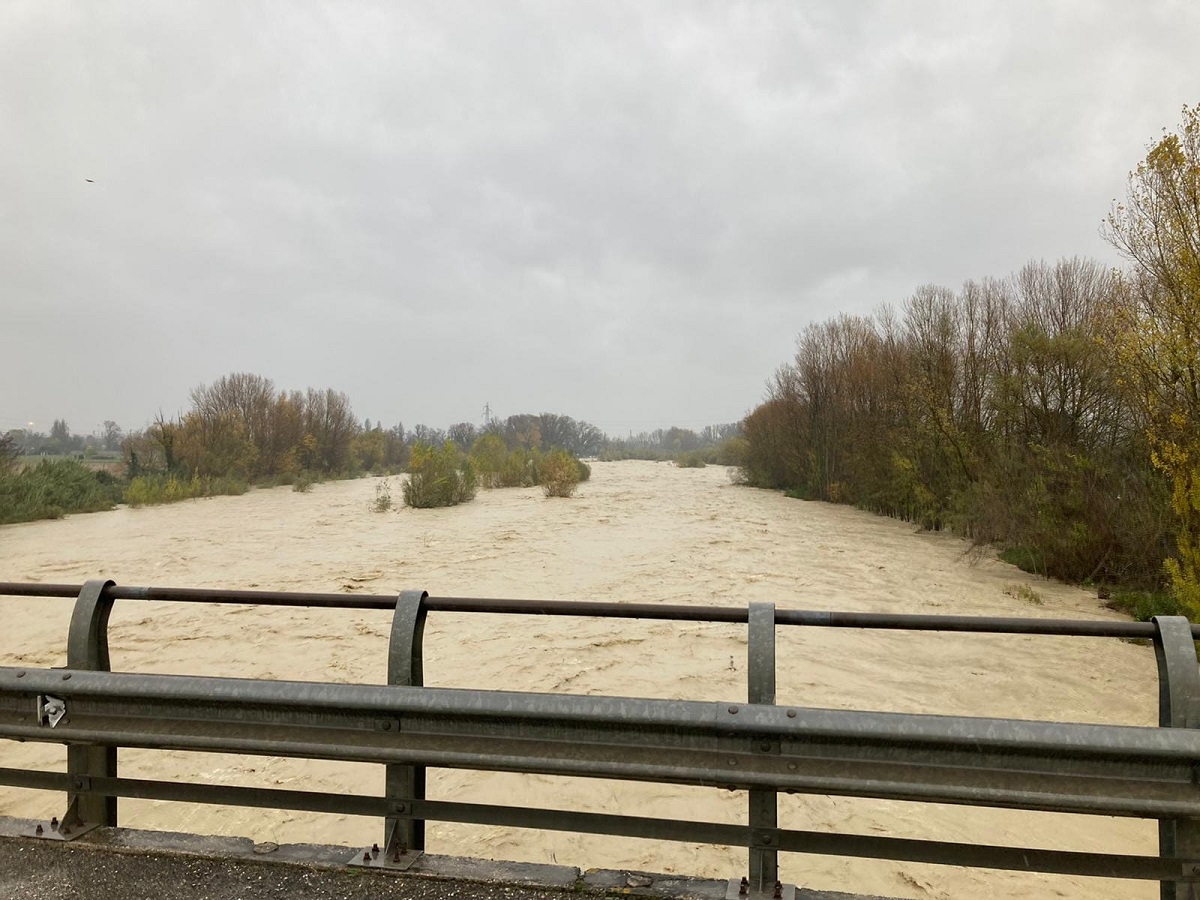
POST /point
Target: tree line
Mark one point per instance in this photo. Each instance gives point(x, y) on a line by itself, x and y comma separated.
point(242, 430)
point(241, 426)
point(1054, 412)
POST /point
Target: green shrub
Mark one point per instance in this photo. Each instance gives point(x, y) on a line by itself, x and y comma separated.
point(53, 489)
point(438, 477)
point(153, 490)
point(521, 468)
point(149, 490)
point(1145, 605)
point(559, 474)
point(302, 482)
point(8, 454)
point(468, 481)
point(620, 453)
point(488, 455)
point(1023, 558)
point(227, 486)
point(733, 452)
point(693, 459)
point(498, 466)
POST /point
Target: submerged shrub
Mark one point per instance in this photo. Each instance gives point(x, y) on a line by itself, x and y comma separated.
point(559, 474)
point(693, 459)
point(497, 466)
point(148, 490)
point(383, 496)
point(489, 454)
point(151, 490)
point(439, 477)
point(521, 468)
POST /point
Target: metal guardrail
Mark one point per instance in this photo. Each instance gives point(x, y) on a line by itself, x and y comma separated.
point(757, 746)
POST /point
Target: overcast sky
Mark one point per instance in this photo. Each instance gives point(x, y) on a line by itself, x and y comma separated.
point(621, 211)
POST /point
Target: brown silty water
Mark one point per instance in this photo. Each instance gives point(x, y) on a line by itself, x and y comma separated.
point(637, 531)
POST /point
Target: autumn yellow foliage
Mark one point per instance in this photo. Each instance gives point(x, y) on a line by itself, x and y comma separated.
point(1157, 334)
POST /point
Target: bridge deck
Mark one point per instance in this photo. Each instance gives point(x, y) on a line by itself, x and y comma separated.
point(126, 864)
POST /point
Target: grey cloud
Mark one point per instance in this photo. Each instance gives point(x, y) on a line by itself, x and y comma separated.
point(620, 211)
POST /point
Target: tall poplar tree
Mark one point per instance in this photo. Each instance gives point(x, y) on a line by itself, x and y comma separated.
point(1157, 228)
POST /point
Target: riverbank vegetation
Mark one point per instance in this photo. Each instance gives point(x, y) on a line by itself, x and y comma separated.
point(53, 488)
point(1054, 413)
point(241, 432)
point(713, 444)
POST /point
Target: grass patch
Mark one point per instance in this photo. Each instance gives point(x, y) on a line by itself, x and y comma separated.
point(795, 493)
point(1145, 605)
point(153, 490)
point(1024, 592)
point(1023, 558)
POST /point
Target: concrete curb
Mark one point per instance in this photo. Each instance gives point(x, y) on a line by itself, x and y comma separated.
point(119, 863)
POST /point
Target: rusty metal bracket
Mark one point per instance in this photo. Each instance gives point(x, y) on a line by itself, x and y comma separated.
point(740, 889)
point(58, 831)
point(1178, 707)
point(404, 782)
point(394, 860)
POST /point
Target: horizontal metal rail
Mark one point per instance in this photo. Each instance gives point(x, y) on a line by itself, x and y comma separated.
point(758, 747)
point(616, 610)
point(1021, 859)
point(1107, 770)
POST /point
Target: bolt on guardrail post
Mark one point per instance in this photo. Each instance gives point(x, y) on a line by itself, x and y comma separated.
point(404, 783)
point(87, 648)
point(1178, 707)
point(764, 805)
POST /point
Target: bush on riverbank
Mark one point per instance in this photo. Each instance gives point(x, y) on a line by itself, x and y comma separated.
point(53, 489)
point(151, 490)
point(1145, 605)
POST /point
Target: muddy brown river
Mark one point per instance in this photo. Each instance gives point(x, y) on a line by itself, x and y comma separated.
point(637, 531)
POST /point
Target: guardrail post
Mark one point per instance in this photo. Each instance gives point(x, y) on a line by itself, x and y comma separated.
point(87, 648)
point(403, 782)
point(764, 805)
point(1178, 707)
